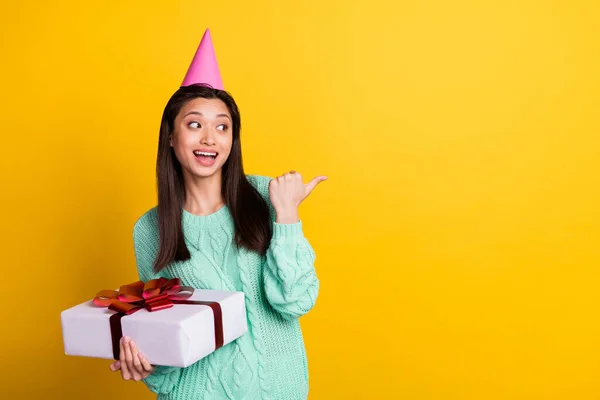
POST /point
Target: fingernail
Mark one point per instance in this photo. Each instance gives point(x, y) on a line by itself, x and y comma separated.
point(126, 339)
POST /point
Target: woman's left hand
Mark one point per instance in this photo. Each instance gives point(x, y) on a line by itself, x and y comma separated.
point(133, 365)
point(287, 192)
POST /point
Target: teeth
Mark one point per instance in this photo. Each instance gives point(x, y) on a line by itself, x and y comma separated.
point(204, 153)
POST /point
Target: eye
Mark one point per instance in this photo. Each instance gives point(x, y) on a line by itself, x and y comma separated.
point(222, 127)
point(194, 124)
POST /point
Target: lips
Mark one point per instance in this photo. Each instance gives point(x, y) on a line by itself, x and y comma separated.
point(199, 153)
point(205, 158)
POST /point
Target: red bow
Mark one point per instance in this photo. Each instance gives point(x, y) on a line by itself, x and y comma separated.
point(154, 295)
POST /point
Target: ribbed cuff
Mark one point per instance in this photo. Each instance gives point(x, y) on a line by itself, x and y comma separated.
point(163, 370)
point(163, 380)
point(287, 230)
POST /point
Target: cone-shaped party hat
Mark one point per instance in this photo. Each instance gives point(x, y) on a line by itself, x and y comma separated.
point(204, 68)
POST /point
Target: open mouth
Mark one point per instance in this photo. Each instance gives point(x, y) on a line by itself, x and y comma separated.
point(205, 154)
point(205, 158)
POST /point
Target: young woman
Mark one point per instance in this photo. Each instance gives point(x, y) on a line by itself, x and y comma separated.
point(217, 228)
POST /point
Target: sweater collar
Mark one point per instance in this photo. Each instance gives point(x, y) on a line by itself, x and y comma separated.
point(200, 221)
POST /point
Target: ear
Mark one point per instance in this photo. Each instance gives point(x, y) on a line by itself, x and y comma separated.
point(171, 140)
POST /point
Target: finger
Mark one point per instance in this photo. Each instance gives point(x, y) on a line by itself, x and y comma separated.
point(312, 184)
point(137, 365)
point(114, 367)
point(145, 364)
point(128, 357)
point(125, 374)
point(135, 375)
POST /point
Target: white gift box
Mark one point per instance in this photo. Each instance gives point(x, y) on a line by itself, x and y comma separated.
point(177, 336)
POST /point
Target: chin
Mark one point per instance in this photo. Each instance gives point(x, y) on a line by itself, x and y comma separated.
point(205, 172)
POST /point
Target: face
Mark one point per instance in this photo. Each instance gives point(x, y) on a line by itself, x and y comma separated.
point(202, 137)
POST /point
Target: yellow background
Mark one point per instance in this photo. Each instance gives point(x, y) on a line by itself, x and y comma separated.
point(457, 235)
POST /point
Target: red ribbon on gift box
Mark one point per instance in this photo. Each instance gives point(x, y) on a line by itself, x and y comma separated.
point(154, 295)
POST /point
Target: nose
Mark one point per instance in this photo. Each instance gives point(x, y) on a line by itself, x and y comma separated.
point(208, 137)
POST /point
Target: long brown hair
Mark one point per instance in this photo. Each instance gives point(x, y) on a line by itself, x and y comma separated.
point(249, 211)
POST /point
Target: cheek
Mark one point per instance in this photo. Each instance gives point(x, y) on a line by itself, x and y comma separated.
point(181, 145)
point(225, 142)
point(182, 140)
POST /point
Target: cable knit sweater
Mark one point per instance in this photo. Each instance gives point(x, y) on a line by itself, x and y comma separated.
point(269, 362)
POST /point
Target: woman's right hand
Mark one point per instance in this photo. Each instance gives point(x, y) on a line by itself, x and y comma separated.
point(133, 364)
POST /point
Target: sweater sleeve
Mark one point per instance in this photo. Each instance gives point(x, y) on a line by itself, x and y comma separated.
point(145, 238)
point(290, 280)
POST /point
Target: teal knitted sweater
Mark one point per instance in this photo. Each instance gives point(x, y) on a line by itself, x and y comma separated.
point(268, 362)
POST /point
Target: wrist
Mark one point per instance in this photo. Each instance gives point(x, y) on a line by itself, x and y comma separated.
point(286, 216)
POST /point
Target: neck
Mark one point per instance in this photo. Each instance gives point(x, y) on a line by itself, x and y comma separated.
point(203, 195)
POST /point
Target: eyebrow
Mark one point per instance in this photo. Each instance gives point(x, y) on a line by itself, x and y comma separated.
point(199, 113)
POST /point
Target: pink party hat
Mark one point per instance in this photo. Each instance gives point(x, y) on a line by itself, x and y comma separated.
point(204, 68)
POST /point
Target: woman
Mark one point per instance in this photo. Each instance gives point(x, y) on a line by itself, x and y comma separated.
point(216, 228)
